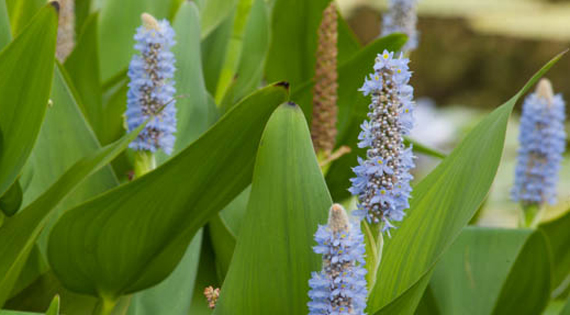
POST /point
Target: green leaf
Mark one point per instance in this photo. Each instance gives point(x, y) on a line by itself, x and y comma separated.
point(118, 21)
point(93, 251)
point(55, 138)
point(292, 57)
point(21, 231)
point(483, 262)
point(566, 309)
point(5, 33)
point(173, 295)
point(527, 288)
point(85, 76)
point(54, 306)
point(444, 201)
point(196, 110)
point(558, 235)
point(21, 12)
point(26, 62)
point(273, 259)
point(246, 55)
point(12, 199)
point(213, 13)
point(214, 51)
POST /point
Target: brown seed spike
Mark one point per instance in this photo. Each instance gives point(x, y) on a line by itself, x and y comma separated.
point(323, 128)
point(65, 29)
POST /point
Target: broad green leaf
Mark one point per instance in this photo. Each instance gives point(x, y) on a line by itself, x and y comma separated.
point(246, 55)
point(444, 201)
point(213, 12)
point(480, 264)
point(5, 32)
point(173, 295)
point(54, 138)
point(19, 234)
point(118, 21)
point(273, 258)
point(11, 201)
point(291, 55)
point(195, 114)
point(214, 48)
point(196, 111)
point(85, 75)
point(527, 288)
point(93, 251)
point(558, 235)
point(26, 62)
point(21, 12)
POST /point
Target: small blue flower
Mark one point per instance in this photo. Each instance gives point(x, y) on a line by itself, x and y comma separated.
point(542, 141)
point(340, 287)
point(151, 87)
point(401, 17)
point(382, 179)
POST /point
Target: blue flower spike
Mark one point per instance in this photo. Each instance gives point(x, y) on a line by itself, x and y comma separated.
point(402, 17)
point(382, 182)
point(542, 142)
point(340, 287)
point(151, 88)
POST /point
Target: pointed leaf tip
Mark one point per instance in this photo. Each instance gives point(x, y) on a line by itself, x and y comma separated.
point(284, 84)
point(55, 5)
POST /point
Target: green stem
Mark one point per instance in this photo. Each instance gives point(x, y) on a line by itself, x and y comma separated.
point(374, 243)
point(144, 163)
point(530, 216)
point(105, 306)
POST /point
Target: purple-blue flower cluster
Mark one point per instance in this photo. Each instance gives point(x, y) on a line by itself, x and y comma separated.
point(151, 87)
point(542, 141)
point(382, 182)
point(401, 17)
point(340, 287)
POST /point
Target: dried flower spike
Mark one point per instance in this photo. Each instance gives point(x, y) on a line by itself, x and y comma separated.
point(340, 287)
point(382, 182)
point(65, 29)
point(542, 141)
point(212, 296)
point(401, 17)
point(323, 128)
point(152, 87)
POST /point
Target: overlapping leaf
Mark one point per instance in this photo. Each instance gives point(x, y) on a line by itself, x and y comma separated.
point(442, 204)
point(23, 109)
point(132, 237)
point(273, 258)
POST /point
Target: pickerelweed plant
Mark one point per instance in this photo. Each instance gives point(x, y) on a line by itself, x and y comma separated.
point(340, 287)
point(542, 141)
point(151, 92)
point(235, 217)
point(401, 17)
